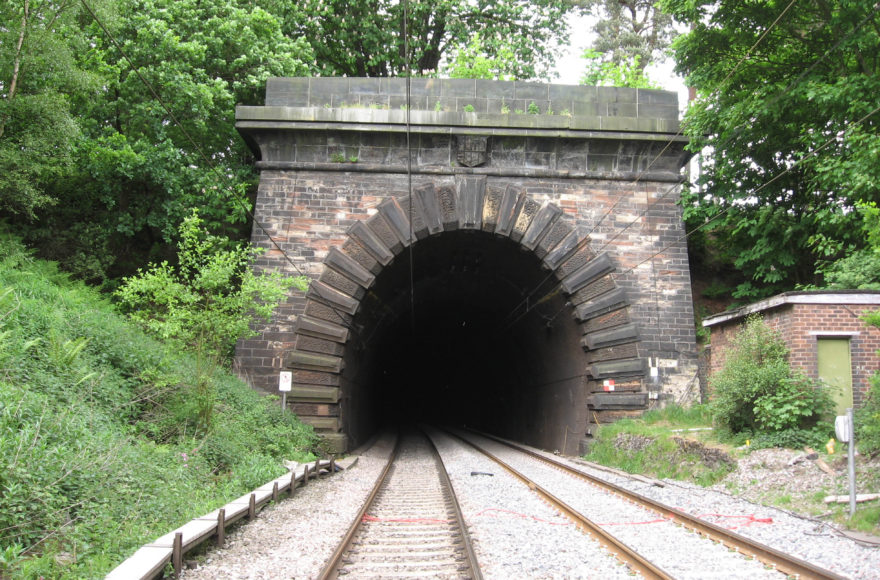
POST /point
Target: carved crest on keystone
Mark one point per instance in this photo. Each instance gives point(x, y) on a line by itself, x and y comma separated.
point(472, 150)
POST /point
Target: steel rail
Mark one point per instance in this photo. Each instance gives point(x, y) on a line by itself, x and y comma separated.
point(783, 562)
point(468, 547)
point(623, 552)
point(336, 562)
point(332, 567)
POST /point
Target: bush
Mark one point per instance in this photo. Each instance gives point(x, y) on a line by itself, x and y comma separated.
point(794, 438)
point(867, 419)
point(757, 391)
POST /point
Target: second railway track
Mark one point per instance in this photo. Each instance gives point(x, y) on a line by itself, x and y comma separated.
point(693, 557)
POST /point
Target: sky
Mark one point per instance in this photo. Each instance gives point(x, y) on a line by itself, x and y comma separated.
point(570, 66)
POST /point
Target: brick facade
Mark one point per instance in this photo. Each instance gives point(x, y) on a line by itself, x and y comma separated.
point(802, 318)
point(333, 158)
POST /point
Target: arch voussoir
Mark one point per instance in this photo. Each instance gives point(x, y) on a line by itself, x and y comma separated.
point(322, 335)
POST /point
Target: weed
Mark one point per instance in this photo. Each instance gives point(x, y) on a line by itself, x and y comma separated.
point(337, 157)
point(865, 519)
point(469, 109)
point(438, 107)
point(533, 109)
point(96, 434)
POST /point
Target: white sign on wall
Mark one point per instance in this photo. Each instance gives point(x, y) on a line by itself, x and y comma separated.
point(285, 379)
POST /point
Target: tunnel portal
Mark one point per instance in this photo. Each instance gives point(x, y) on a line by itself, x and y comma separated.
point(525, 274)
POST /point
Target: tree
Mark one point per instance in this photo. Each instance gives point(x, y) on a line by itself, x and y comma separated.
point(139, 163)
point(630, 36)
point(787, 124)
point(861, 268)
point(368, 37)
point(474, 62)
point(39, 42)
point(602, 73)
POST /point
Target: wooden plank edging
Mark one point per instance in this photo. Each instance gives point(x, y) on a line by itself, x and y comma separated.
point(150, 560)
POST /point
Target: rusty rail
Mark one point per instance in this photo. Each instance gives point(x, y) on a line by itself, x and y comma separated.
point(783, 562)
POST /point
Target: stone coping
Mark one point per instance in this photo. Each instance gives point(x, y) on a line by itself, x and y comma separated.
point(465, 103)
point(335, 92)
point(355, 119)
point(828, 297)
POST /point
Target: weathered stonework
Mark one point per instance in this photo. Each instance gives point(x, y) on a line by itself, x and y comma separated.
point(350, 183)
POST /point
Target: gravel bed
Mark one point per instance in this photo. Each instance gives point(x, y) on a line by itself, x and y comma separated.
point(295, 537)
point(674, 549)
point(808, 539)
point(516, 534)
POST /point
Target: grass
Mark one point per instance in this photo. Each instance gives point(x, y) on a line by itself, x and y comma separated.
point(651, 446)
point(98, 430)
point(654, 445)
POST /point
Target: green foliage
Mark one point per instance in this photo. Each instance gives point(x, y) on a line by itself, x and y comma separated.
point(468, 109)
point(508, 39)
point(533, 109)
point(473, 61)
point(787, 140)
point(99, 448)
point(792, 438)
point(108, 171)
point(681, 417)
point(38, 69)
point(603, 72)
point(757, 391)
point(208, 300)
point(867, 417)
point(629, 37)
point(650, 446)
point(861, 268)
point(204, 304)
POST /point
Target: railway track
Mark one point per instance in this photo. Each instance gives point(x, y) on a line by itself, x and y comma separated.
point(411, 525)
point(516, 460)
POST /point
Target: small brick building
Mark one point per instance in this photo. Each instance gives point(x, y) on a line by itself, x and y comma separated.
point(825, 334)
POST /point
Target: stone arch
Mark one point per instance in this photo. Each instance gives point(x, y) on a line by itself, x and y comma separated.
point(323, 330)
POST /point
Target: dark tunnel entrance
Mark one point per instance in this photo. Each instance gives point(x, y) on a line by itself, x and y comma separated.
point(468, 355)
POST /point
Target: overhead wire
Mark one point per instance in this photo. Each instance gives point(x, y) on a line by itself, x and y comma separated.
point(586, 238)
point(406, 56)
point(212, 166)
point(672, 188)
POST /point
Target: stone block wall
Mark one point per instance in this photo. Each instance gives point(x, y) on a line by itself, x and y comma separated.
point(331, 151)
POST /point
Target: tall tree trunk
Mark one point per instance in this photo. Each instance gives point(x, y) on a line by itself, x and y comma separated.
point(16, 65)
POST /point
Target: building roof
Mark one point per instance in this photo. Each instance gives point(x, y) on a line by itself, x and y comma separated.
point(830, 297)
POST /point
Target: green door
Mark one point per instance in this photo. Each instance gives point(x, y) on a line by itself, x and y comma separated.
point(835, 369)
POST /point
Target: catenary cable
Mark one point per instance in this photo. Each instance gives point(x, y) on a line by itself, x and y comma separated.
point(672, 188)
point(406, 57)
